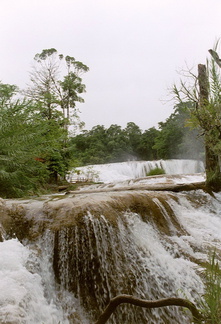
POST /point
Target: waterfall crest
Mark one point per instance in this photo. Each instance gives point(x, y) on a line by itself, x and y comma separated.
point(115, 172)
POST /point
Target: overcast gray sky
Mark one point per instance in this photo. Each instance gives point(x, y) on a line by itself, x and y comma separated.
point(133, 48)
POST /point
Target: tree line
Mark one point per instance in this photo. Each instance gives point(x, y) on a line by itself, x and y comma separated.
point(36, 147)
point(173, 139)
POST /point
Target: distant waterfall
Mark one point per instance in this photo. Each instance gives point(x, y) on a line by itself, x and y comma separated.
point(114, 172)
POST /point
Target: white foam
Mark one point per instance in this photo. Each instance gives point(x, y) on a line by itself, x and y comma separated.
point(115, 172)
point(22, 292)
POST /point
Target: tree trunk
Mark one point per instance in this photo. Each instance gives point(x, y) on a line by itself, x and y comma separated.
point(213, 174)
point(53, 178)
point(212, 166)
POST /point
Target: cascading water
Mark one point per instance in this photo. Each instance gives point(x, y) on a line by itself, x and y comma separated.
point(115, 172)
point(22, 290)
point(84, 248)
point(28, 293)
point(147, 252)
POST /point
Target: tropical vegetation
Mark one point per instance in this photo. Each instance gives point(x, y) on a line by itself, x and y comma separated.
point(173, 139)
point(37, 147)
point(34, 147)
point(203, 91)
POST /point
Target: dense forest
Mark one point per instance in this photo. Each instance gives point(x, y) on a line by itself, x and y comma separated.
point(36, 148)
point(172, 140)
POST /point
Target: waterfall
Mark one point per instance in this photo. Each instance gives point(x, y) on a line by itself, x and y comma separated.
point(78, 250)
point(22, 293)
point(115, 172)
point(151, 251)
point(28, 293)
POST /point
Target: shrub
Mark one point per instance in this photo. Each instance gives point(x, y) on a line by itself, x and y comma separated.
point(156, 171)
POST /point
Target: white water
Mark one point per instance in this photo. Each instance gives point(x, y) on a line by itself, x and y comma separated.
point(28, 294)
point(27, 289)
point(24, 297)
point(139, 257)
point(115, 172)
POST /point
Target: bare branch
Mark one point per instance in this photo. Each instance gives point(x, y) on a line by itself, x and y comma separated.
point(116, 301)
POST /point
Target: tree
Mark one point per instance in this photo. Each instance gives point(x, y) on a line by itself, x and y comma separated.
point(205, 94)
point(91, 146)
point(146, 149)
point(114, 144)
point(169, 139)
point(7, 91)
point(133, 134)
point(54, 148)
point(101, 145)
point(49, 91)
point(209, 119)
point(118, 144)
point(175, 139)
point(20, 172)
point(32, 150)
point(55, 102)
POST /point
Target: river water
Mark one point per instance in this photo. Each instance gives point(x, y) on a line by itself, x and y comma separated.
point(144, 243)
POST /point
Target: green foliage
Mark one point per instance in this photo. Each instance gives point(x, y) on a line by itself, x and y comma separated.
point(176, 139)
point(34, 147)
point(100, 145)
point(54, 89)
point(146, 148)
point(211, 300)
point(213, 178)
point(204, 92)
point(19, 171)
point(7, 91)
point(114, 144)
point(168, 140)
point(55, 94)
point(133, 134)
point(53, 147)
point(46, 53)
point(33, 150)
point(156, 171)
